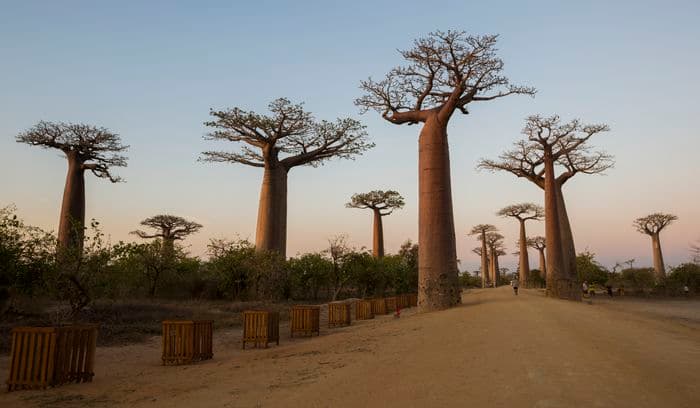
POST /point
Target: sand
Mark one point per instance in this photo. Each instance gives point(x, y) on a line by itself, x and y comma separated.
point(495, 350)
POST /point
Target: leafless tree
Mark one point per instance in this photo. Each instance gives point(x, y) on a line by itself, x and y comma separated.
point(382, 203)
point(550, 144)
point(695, 252)
point(444, 73)
point(652, 225)
point(523, 212)
point(86, 147)
point(539, 243)
point(480, 231)
point(288, 137)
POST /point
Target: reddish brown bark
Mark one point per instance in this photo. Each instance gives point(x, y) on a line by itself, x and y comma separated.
point(659, 268)
point(524, 261)
point(567, 238)
point(378, 235)
point(271, 231)
point(485, 262)
point(72, 219)
point(437, 254)
point(543, 265)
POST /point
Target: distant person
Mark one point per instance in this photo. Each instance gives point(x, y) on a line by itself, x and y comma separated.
point(686, 290)
point(584, 287)
point(516, 283)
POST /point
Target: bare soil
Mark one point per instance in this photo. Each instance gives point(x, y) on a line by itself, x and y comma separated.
point(495, 350)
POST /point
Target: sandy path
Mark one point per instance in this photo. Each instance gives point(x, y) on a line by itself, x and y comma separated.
point(496, 350)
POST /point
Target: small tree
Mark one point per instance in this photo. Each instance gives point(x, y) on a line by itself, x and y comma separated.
point(539, 243)
point(382, 203)
point(523, 212)
point(86, 147)
point(169, 228)
point(480, 231)
point(652, 225)
point(287, 138)
point(445, 72)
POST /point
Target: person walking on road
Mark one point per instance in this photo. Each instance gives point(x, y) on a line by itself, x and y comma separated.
point(515, 286)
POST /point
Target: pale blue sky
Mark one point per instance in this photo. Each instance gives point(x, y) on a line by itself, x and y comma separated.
point(151, 70)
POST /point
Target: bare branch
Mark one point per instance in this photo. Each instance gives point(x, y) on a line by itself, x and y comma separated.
point(654, 223)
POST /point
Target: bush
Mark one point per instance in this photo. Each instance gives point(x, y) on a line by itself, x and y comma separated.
point(687, 274)
point(589, 270)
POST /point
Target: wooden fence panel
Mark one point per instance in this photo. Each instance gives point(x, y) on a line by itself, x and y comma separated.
point(390, 304)
point(412, 300)
point(363, 310)
point(51, 356)
point(378, 306)
point(305, 320)
point(260, 327)
point(338, 314)
point(187, 341)
point(402, 301)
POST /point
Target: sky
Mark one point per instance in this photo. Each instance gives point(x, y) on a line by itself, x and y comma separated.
point(150, 71)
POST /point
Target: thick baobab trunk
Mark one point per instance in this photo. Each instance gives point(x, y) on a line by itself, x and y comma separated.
point(271, 233)
point(438, 286)
point(659, 268)
point(558, 283)
point(492, 268)
point(378, 239)
point(496, 269)
point(72, 219)
point(567, 237)
point(524, 260)
point(543, 265)
point(484, 261)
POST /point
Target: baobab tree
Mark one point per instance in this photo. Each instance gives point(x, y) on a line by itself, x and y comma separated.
point(382, 203)
point(539, 243)
point(550, 145)
point(87, 148)
point(494, 243)
point(480, 231)
point(444, 73)
point(523, 212)
point(169, 228)
point(652, 225)
point(287, 138)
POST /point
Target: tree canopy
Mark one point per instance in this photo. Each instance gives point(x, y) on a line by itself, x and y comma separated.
point(569, 148)
point(652, 224)
point(289, 131)
point(522, 211)
point(169, 227)
point(384, 201)
point(444, 71)
point(96, 148)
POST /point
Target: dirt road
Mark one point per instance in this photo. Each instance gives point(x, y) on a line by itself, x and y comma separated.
point(496, 350)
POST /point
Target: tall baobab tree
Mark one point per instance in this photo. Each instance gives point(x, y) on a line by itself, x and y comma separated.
point(548, 145)
point(523, 212)
point(480, 231)
point(539, 244)
point(494, 243)
point(444, 73)
point(652, 225)
point(287, 138)
point(169, 228)
point(382, 203)
point(87, 148)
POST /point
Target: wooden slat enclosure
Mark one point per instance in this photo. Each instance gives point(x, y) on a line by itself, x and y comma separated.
point(51, 356)
point(378, 306)
point(187, 341)
point(338, 314)
point(390, 304)
point(412, 299)
point(260, 327)
point(402, 301)
point(305, 320)
point(363, 310)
